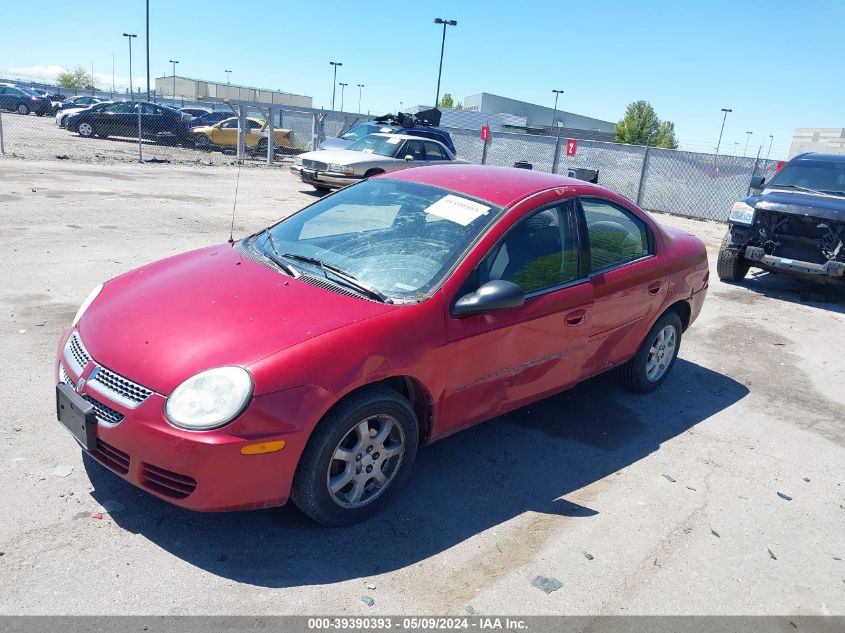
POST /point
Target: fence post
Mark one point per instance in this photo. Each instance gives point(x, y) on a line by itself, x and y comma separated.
point(2, 146)
point(556, 158)
point(642, 177)
point(140, 151)
point(271, 137)
point(313, 131)
point(754, 171)
point(241, 132)
point(484, 153)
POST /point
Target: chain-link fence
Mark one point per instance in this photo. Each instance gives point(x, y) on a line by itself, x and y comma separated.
point(183, 131)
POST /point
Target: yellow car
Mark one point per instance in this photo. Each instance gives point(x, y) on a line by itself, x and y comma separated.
point(225, 134)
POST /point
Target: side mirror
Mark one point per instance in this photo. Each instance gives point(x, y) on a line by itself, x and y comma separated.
point(494, 295)
point(409, 158)
point(758, 182)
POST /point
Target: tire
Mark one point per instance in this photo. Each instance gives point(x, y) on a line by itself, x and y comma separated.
point(340, 433)
point(322, 188)
point(731, 265)
point(201, 142)
point(22, 109)
point(260, 147)
point(652, 363)
point(86, 129)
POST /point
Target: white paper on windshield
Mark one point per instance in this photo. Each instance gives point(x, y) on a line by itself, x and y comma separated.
point(394, 140)
point(385, 130)
point(458, 210)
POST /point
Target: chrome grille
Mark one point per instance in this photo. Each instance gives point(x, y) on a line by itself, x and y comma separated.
point(314, 164)
point(105, 415)
point(117, 387)
point(76, 354)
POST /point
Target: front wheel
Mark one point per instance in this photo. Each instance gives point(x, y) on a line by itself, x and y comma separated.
point(651, 364)
point(86, 129)
point(731, 264)
point(23, 109)
point(359, 456)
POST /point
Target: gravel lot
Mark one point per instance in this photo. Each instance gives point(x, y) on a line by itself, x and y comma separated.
point(36, 137)
point(722, 493)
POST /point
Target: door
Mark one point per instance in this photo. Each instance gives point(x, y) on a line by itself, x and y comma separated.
point(253, 133)
point(225, 133)
point(152, 120)
point(629, 283)
point(501, 360)
point(114, 120)
point(6, 98)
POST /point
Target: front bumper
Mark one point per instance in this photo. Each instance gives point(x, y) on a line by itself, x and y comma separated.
point(198, 470)
point(829, 271)
point(324, 178)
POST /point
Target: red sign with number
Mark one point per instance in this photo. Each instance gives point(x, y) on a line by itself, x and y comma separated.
point(571, 146)
point(485, 133)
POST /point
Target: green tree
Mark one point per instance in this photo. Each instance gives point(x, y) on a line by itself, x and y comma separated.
point(640, 126)
point(459, 106)
point(77, 78)
point(446, 101)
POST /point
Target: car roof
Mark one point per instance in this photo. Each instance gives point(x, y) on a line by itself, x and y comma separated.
point(409, 137)
point(838, 158)
point(502, 186)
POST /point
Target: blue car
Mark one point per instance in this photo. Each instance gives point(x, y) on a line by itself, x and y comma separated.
point(211, 118)
point(423, 124)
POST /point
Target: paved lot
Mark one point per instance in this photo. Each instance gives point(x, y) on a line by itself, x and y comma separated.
point(658, 504)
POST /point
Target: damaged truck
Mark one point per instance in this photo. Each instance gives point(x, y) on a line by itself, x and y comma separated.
point(794, 224)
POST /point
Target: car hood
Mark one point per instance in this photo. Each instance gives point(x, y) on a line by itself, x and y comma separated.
point(202, 129)
point(343, 156)
point(800, 203)
point(162, 323)
point(335, 143)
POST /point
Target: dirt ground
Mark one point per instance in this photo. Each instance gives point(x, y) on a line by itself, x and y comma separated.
point(721, 493)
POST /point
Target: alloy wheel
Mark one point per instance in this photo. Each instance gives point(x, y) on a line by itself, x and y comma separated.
point(85, 129)
point(661, 353)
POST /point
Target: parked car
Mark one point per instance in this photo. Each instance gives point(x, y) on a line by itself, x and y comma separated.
point(211, 118)
point(195, 112)
point(158, 122)
point(372, 155)
point(402, 124)
point(23, 100)
point(309, 360)
point(81, 101)
point(225, 134)
point(62, 116)
point(794, 224)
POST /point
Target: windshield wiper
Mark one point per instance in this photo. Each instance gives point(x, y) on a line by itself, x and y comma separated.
point(800, 188)
point(346, 278)
point(274, 255)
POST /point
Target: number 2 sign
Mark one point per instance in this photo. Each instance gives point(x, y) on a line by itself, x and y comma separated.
point(571, 146)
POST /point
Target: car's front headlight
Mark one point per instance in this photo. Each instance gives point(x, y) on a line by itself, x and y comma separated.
point(210, 399)
point(88, 301)
point(742, 213)
point(297, 160)
point(343, 169)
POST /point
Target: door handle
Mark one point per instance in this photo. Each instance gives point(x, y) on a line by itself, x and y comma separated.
point(654, 288)
point(576, 317)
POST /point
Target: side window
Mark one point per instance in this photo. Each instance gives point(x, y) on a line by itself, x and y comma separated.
point(253, 125)
point(415, 149)
point(537, 253)
point(433, 151)
point(149, 108)
point(616, 235)
point(231, 123)
point(121, 108)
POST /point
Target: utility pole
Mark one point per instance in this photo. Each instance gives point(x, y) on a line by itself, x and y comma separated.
point(334, 81)
point(360, 88)
point(174, 62)
point(554, 115)
point(445, 23)
point(342, 90)
point(747, 138)
point(228, 76)
point(112, 75)
point(129, 36)
point(725, 110)
point(148, 50)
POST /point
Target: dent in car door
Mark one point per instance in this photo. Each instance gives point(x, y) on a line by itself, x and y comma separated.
point(504, 359)
point(629, 282)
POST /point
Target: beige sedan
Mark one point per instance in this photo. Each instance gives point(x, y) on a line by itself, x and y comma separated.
point(368, 156)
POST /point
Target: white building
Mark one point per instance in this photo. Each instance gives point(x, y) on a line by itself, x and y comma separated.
point(828, 140)
point(198, 90)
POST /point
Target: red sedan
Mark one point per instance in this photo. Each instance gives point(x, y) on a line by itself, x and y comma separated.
point(310, 360)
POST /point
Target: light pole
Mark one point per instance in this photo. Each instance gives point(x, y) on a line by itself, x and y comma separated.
point(747, 138)
point(228, 76)
point(342, 91)
point(129, 36)
point(148, 50)
point(771, 139)
point(174, 62)
point(360, 88)
point(554, 115)
point(719, 143)
point(334, 81)
point(445, 23)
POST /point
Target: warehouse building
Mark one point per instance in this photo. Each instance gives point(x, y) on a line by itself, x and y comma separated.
point(199, 90)
point(828, 140)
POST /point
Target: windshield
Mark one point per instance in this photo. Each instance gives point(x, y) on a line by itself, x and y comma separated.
point(816, 175)
point(358, 131)
point(381, 145)
point(398, 238)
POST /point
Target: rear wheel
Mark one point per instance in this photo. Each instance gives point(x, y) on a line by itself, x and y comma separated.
point(653, 361)
point(322, 188)
point(359, 456)
point(201, 142)
point(731, 264)
point(23, 109)
point(261, 147)
point(86, 129)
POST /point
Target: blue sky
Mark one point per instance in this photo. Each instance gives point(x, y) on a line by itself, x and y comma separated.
point(688, 59)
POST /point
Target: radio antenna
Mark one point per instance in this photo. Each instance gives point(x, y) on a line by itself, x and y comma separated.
point(234, 206)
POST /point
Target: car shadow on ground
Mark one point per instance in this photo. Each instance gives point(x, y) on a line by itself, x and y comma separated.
point(528, 460)
point(825, 296)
